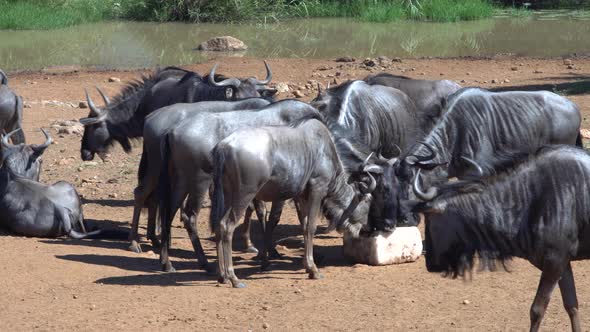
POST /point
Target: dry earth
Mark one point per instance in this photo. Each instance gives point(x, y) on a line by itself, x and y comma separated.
point(87, 285)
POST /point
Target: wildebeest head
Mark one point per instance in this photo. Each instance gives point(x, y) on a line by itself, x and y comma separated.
point(236, 88)
point(23, 160)
point(96, 138)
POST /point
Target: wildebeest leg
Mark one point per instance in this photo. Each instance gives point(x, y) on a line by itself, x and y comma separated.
point(549, 278)
point(189, 218)
point(567, 287)
point(269, 250)
point(310, 209)
point(151, 224)
point(256, 205)
point(174, 201)
point(224, 237)
point(139, 201)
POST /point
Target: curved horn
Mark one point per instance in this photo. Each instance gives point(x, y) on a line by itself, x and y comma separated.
point(399, 150)
point(474, 164)
point(39, 148)
point(93, 109)
point(328, 86)
point(372, 185)
point(268, 75)
point(428, 157)
point(104, 96)
point(230, 81)
point(425, 196)
point(5, 143)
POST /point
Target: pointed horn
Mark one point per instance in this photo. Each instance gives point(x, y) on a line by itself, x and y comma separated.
point(328, 86)
point(319, 89)
point(230, 81)
point(399, 150)
point(5, 138)
point(474, 164)
point(425, 196)
point(372, 185)
point(366, 162)
point(104, 96)
point(93, 109)
point(268, 75)
point(39, 148)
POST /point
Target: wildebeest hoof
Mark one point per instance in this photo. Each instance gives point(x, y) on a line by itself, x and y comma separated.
point(135, 247)
point(238, 284)
point(168, 268)
point(316, 275)
point(252, 250)
point(273, 253)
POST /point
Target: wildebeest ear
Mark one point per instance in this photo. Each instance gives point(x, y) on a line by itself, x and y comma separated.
point(229, 92)
point(90, 121)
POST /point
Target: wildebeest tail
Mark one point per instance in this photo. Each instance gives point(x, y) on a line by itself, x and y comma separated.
point(164, 190)
point(579, 141)
point(217, 200)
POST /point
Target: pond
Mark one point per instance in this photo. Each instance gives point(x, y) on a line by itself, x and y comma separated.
point(143, 44)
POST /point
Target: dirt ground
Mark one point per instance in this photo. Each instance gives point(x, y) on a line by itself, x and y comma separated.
point(60, 284)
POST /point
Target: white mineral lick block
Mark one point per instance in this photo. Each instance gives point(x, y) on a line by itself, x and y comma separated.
point(401, 246)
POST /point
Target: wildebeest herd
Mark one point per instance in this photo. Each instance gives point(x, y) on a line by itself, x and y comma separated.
point(495, 174)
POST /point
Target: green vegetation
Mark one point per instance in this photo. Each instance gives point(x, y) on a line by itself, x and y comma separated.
point(48, 14)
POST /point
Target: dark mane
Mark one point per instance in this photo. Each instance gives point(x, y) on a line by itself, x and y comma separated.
point(369, 78)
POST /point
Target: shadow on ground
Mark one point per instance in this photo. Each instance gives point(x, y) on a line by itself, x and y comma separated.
point(580, 85)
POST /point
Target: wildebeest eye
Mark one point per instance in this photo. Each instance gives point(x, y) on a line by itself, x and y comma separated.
point(229, 92)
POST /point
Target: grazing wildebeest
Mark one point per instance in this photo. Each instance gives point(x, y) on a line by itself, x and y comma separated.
point(485, 126)
point(23, 160)
point(123, 118)
point(11, 113)
point(31, 208)
point(428, 95)
point(3, 78)
point(280, 163)
point(382, 118)
point(157, 124)
point(539, 211)
point(187, 163)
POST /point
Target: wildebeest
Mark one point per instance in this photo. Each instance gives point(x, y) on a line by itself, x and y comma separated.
point(3, 78)
point(157, 124)
point(428, 95)
point(31, 208)
point(123, 118)
point(485, 126)
point(11, 113)
point(188, 166)
point(280, 163)
point(539, 210)
point(382, 118)
point(23, 160)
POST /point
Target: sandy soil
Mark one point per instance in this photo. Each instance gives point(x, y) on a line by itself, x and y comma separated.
point(59, 284)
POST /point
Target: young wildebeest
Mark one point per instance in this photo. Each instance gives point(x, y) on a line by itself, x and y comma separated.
point(11, 113)
point(428, 95)
point(187, 162)
point(157, 124)
point(280, 163)
point(124, 118)
point(31, 208)
point(539, 210)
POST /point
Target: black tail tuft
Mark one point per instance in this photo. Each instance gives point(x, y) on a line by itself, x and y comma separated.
point(217, 200)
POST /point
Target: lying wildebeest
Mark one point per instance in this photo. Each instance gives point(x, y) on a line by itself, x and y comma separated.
point(539, 210)
point(382, 118)
point(484, 126)
point(3, 78)
point(123, 118)
point(11, 113)
point(157, 124)
point(187, 163)
point(280, 163)
point(31, 208)
point(428, 95)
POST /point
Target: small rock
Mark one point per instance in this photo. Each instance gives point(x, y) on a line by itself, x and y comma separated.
point(369, 62)
point(484, 82)
point(514, 68)
point(75, 296)
point(265, 326)
point(466, 302)
point(80, 169)
point(570, 67)
point(383, 60)
point(568, 62)
point(82, 104)
point(422, 74)
point(412, 69)
point(223, 44)
point(63, 162)
point(298, 291)
point(494, 81)
point(298, 94)
point(537, 71)
point(396, 60)
point(27, 105)
point(282, 87)
point(442, 74)
point(114, 79)
point(463, 81)
point(323, 68)
point(506, 81)
point(111, 181)
point(338, 74)
point(266, 307)
point(468, 73)
point(113, 195)
point(335, 81)
point(345, 59)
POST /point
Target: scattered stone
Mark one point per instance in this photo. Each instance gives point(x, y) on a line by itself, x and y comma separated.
point(223, 44)
point(114, 79)
point(568, 62)
point(338, 74)
point(494, 81)
point(113, 195)
point(68, 127)
point(412, 69)
point(298, 291)
point(282, 87)
point(345, 59)
point(396, 60)
point(514, 68)
point(466, 302)
point(111, 181)
point(463, 81)
point(63, 162)
point(383, 60)
point(323, 68)
point(75, 296)
point(265, 326)
point(506, 81)
point(537, 71)
point(468, 73)
point(298, 94)
point(369, 62)
point(266, 307)
point(442, 74)
point(570, 67)
point(82, 104)
point(484, 82)
point(422, 74)
point(27, 105)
